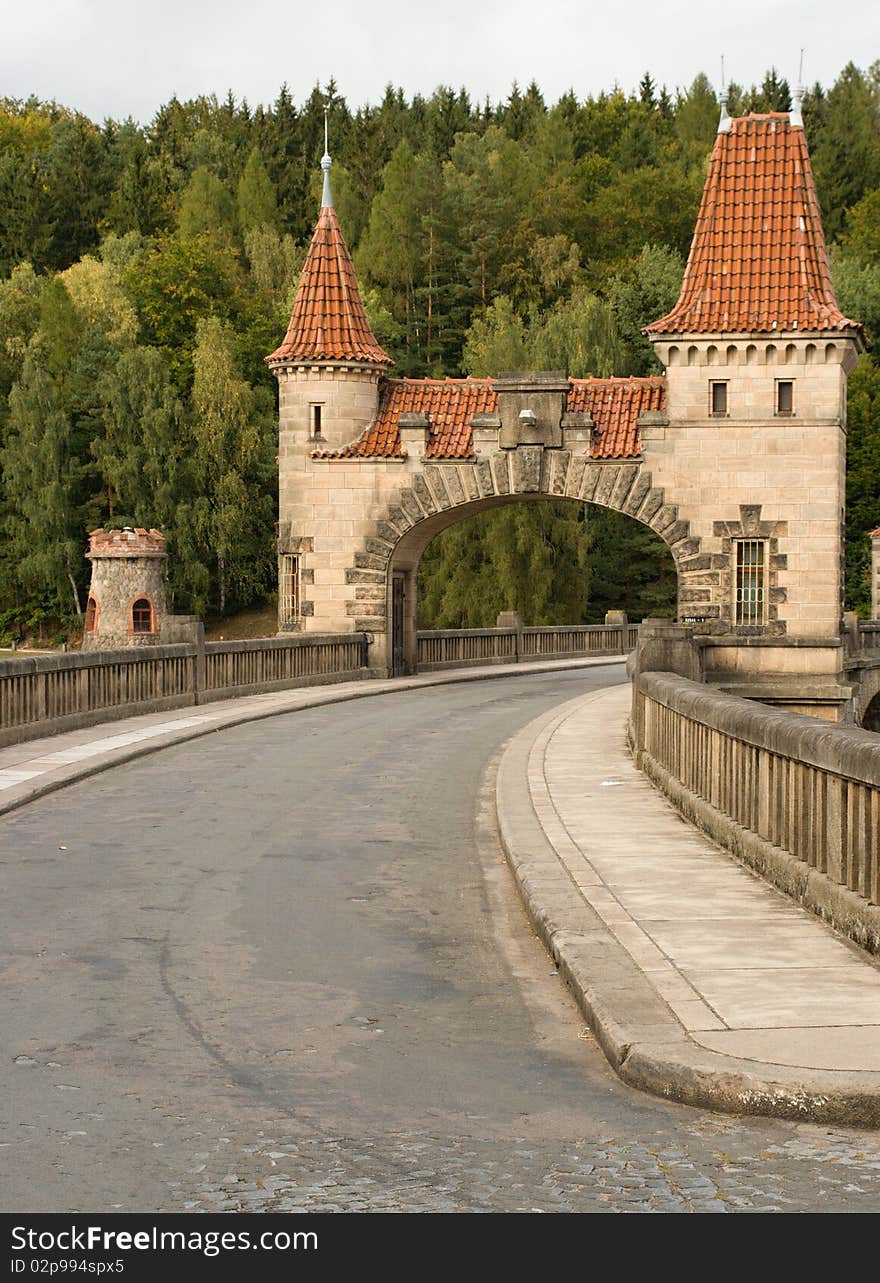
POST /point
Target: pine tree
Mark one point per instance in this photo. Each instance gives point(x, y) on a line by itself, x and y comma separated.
point(233, 461)
point(257, 206)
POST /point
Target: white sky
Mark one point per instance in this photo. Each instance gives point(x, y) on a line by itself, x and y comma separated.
point(119, 58)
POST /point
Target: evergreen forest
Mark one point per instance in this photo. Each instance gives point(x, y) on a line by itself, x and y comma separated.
point(146, 270)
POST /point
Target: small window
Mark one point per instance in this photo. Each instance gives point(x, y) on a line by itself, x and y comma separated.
point(288, 590)
point(315, 420)
point(750, 576)
point(718, 398)
point(91, 618)
point(784, 396)
point(142, 616)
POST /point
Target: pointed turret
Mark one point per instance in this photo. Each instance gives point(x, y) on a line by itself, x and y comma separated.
point(328, 322)
point(758, 262)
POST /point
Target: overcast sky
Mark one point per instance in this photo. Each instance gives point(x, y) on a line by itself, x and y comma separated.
point(119, 58)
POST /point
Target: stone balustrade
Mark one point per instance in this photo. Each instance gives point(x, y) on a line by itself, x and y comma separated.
point(797, 798)
point(45, 694)
point(462, 647)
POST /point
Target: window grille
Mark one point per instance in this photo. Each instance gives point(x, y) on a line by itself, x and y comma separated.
point(718, 398)
point(288, 590)
point(142, 616)
point(750, 582)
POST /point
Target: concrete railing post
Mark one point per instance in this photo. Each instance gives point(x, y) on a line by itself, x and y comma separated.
point(511, 619)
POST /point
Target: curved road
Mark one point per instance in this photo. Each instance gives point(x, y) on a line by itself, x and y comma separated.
point(285, 967)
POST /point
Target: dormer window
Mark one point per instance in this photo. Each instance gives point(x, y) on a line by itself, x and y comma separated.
point(784, 396)
point(315, 422)
point(718, 399)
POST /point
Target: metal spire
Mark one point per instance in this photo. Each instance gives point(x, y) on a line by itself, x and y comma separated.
point(326, 162)
point(725, 121)
point(795, 118)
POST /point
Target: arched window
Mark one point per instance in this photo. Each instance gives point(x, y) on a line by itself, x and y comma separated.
point(142, 616)
point(91, 619)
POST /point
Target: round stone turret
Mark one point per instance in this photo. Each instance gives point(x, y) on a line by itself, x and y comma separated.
point(126, 605)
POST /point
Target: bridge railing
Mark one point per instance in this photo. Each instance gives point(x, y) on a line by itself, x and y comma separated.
point(796, 797)
point(461, 647)
point(869, 634)
point(44, 694)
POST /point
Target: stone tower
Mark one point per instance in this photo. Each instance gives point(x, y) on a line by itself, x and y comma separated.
point(328, 369)
point(126, 605)
point(757, 354)
point(875, 573)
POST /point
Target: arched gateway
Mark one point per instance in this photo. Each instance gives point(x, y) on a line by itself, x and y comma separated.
point(736, 457)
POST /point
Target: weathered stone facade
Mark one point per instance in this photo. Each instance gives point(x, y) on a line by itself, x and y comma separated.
point(126, 604)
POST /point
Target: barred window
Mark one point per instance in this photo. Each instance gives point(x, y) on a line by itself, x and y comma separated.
point(750, 582)
point(288, 590)
point(91, 618)
point(142, 616)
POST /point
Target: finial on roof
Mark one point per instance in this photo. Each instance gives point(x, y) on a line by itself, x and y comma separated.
point(725, 122)
point(326, 162)
point(795, 118)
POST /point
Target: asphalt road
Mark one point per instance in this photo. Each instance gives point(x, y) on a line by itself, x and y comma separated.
point(285, 967)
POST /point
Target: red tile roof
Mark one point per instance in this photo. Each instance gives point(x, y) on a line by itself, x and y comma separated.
point(129, 542)
point(328, 322)
point(758, 261)
point(614, 404)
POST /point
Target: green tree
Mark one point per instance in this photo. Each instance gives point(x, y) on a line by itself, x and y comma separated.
point(19, 317)
point(233, 455)
point(525, 557)
point(179, 283)
point(846, 151)
point(206, 209)
point(257, 206)
point(862, 481)
point(42, 479)
point(644, 294)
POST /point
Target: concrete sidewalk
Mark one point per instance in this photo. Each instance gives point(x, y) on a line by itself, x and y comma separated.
point(702, 982)
point(39, 766)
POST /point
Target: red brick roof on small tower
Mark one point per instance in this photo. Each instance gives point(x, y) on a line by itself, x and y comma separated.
point(328, 322)
point(758, 262)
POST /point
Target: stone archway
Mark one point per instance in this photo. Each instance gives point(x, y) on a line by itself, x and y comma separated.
point(443, 494)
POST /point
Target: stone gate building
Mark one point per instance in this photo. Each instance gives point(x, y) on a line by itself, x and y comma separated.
point(736, 457)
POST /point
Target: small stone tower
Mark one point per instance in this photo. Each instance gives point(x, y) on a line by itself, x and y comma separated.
point(875, 573)
point(126, 605)
point(328, 369)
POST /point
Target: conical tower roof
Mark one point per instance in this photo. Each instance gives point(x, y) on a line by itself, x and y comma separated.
point(758, 262)
point(328, 322)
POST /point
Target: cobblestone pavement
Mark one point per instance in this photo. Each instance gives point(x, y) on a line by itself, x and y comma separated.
point(285, 967)
point(694, 1172)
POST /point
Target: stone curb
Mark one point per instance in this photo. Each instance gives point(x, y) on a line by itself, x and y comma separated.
point(245, 709)
point(641, 1038)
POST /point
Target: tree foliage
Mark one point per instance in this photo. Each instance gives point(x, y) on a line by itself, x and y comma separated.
point(146, 271)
